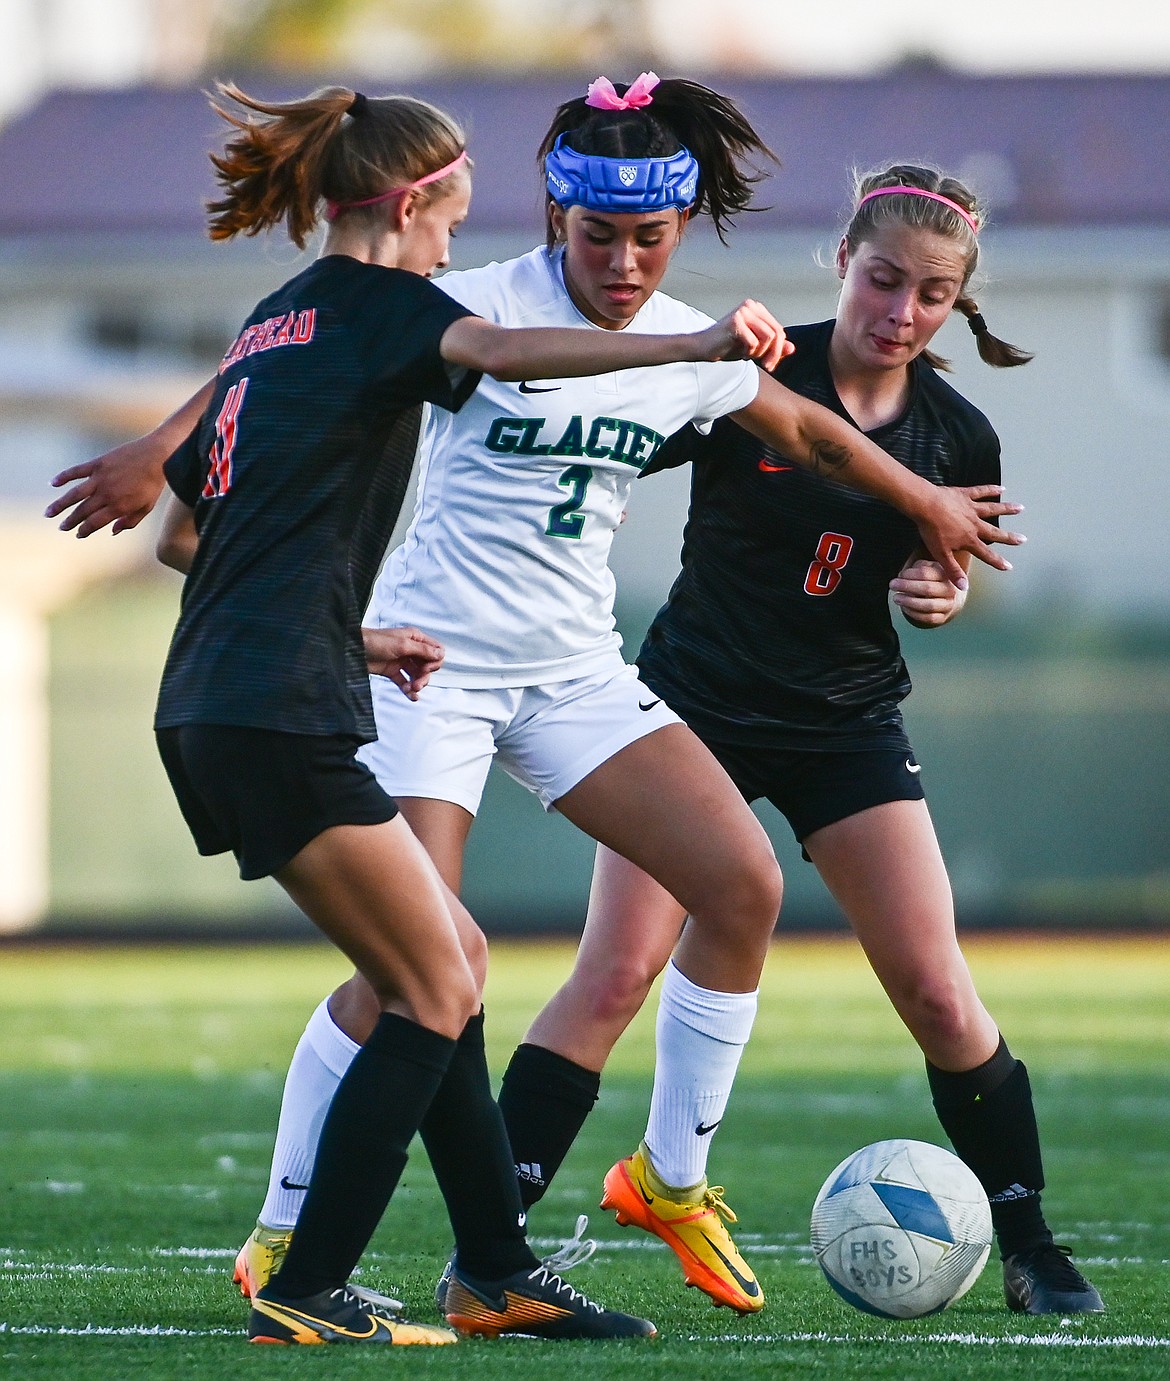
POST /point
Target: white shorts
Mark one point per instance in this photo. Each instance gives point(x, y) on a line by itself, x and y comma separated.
point(549, 738)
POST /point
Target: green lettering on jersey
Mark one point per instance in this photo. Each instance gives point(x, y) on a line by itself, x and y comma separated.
point(609, 438)
point(570, 442)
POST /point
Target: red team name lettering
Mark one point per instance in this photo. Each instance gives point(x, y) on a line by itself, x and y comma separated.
point(292, 328)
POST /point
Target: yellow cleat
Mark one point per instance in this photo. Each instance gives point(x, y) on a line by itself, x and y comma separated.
point(693, 1229)
point(259, 1259)
point(334, 1316)
point(262, 1255)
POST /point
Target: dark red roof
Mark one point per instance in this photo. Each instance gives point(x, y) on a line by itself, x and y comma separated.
point(1051, 150)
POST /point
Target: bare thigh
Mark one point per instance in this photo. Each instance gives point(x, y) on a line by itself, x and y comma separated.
point(677, 839)
point(375, 893)
point(441, 827)
point(884, 867)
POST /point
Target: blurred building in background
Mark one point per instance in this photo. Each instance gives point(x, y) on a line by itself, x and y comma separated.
point(1042, 716)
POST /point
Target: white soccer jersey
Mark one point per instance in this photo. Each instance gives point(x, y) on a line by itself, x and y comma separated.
point(519, 494)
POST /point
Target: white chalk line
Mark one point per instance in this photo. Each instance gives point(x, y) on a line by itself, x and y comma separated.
point(1134, 1340)
point(1050, 1340)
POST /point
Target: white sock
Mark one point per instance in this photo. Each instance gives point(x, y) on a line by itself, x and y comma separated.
point(322, 1056)
point(700, 1035)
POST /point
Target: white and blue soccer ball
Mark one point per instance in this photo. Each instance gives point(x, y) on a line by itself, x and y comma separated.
point(901, 1229)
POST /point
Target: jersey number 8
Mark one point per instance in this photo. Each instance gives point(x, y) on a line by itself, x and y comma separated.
point(824, 574)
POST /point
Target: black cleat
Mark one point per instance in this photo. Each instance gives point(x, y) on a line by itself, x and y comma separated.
point(333, 1316)
point(573, 1251)
point(1043, 1280)
point(535, 1304)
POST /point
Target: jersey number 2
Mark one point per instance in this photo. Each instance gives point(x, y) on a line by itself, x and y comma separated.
point(563, 518)
point(223, 448)
point(824, 574)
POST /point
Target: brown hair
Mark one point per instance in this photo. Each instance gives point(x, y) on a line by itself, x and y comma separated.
point(333, 144)
point(924, 213)
point(683, 114)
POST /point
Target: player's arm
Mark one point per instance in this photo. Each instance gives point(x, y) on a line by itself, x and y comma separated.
point(177, 538)
point(122, 486)
point(923, 593)
point(528, 352)
point(949, 520)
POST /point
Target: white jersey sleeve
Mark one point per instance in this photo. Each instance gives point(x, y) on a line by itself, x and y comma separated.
point(519, 494)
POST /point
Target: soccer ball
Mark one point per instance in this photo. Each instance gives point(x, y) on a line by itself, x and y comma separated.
point(901, 1229)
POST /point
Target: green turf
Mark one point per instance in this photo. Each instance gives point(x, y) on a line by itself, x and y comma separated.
point(139, 1091)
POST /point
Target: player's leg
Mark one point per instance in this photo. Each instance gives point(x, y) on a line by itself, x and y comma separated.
point(884, 867)
point(412, 957)
point(333, 1036)
point(553, 1078)
point(424, 747)
point(374, 893)
point(665, 805)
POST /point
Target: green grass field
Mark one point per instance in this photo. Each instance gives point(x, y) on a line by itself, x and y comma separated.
point(139, 1094)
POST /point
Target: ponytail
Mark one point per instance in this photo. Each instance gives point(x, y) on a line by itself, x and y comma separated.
point(334, 145)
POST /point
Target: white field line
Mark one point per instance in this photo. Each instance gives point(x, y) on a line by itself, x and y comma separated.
point(946, 1339)
point(1052, 1340)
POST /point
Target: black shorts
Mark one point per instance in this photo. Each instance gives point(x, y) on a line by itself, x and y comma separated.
point(264, 794)
point(812, 789)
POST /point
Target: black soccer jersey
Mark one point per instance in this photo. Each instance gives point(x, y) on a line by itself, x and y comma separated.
point(296, 474)
point(778, 629)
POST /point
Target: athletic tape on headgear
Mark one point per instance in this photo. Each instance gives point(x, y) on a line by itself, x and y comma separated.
point(620, 184)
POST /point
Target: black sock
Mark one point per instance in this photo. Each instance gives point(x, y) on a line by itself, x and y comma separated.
point(362, 1149)
point(545, 1100)
point(468, 1146)
point(988, 1114)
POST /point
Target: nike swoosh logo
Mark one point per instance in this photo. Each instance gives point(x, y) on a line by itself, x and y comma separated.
point(749, 1287)
point(286, 1183)
point(646, 1198)
point(769, 469)
point(912, 766)
point(650, 706)
point(526, 387)
point(702, 1129)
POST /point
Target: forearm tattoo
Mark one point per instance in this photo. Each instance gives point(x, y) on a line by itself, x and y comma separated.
point(829, 456)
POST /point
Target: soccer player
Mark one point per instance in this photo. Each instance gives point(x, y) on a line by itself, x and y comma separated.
point(505, 564)
point(293, 477)
point(777, 647)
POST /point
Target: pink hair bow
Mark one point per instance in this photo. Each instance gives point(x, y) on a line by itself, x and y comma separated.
point(602, 95)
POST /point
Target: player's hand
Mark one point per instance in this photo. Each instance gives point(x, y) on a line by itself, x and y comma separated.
point(751, 332)
point(956, 520)
point(405, 656)
point(119, 487)
point(925, 596)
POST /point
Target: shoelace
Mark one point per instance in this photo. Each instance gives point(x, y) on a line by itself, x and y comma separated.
point(344, 1296)
point(574, 1251)
point(713, 1198)
point(1064, 1273)
point(547, 1277)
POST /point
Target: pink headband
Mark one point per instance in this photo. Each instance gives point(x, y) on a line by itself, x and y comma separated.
point(921, 192)
point(603, 96)
point(334, 208)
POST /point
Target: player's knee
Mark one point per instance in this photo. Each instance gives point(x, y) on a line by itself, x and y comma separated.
point(475, 951)
point(745, 899)
point(940, 1013)
point(614, 995)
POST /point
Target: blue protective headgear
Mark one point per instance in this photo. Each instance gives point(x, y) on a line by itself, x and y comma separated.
point(620, 184)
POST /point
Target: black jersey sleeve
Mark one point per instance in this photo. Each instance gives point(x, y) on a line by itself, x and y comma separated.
point(406, 320)
point(185, 471)
point(684, 447)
